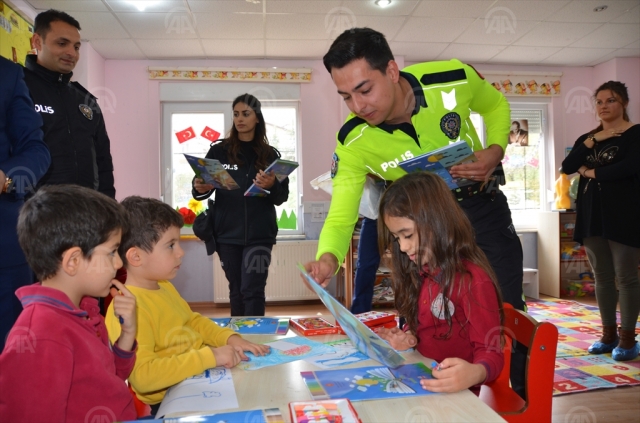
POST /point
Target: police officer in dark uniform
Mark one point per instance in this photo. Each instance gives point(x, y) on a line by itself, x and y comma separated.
point(74, 128)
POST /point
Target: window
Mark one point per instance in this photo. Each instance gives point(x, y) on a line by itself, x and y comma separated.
point(282, 121)
point(524, 160)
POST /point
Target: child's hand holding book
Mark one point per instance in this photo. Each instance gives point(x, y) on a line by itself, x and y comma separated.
point(124, 307)
point(453, 375)
point(398, 339)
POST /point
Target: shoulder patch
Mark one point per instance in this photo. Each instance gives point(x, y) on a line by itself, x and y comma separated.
point(334, 165)
point(86, 111)
point(450, 125)
point(348, 127)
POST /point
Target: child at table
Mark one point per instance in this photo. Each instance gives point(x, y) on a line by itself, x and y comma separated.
point(443, 284)
point(58, 365)
point(174, 342)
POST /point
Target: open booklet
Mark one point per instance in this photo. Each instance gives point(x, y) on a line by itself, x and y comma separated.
point(212, 172)
point(282, 168)
point(441, 160)
point(364, 339)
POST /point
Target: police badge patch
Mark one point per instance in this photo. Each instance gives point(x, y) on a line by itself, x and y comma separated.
point(86, 111)
point(334, 165)
point(450, 125)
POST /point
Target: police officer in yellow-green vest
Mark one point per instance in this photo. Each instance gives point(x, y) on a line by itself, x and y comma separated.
point(397, 115)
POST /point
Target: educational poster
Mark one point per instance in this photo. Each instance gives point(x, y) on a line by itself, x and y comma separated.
point(15, 34)
point(368, 383)
point(283, 351)
point(254, 325)
point(519, 133)
point(208, 391)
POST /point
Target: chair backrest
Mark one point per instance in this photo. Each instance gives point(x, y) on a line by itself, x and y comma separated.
point(541, 340)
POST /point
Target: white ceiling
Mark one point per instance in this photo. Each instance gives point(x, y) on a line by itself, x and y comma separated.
point(539, 32)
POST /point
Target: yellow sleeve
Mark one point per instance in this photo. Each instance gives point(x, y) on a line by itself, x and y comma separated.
point(212, 334)
point(162, 363)
point(492, 105)
point(348, 185)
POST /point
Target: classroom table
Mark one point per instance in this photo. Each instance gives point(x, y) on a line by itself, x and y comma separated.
point(277, 386)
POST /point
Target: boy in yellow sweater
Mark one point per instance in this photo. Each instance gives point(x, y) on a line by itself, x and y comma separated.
point(174, 343)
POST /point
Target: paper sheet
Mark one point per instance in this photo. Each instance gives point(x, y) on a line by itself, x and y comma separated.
point(284, 351)
point(208, 391)
point(345, 353)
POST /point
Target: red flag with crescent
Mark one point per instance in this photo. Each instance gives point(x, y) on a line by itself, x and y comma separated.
point(210, 134)
point(185, 135)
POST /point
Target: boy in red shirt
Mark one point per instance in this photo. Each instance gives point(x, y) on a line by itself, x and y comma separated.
point(58, 364)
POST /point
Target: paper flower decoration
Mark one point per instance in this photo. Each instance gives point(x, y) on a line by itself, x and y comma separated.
point(187, 215)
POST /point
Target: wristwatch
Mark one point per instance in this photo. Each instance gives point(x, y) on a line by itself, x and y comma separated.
point(592, 138)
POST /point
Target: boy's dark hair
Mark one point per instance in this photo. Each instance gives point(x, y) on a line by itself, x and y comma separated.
point(359, 43)
point(149, 219)
point(42, 24)
point(59, 217)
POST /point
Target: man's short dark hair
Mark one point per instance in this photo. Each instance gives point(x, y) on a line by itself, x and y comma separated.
point(42, 24)
point(359, 43)
point(59, 217)
point(149, 219)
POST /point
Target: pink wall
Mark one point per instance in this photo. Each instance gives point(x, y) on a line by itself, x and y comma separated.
point(89, 71)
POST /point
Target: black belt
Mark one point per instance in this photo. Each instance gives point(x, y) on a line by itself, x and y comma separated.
point(470, 191)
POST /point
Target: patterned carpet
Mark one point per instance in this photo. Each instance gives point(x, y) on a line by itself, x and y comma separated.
point(579, 326)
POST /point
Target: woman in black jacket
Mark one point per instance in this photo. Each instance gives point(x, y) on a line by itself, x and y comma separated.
point(608, 205)
point(245, 227)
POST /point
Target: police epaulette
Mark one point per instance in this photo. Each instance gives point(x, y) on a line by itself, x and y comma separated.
point(83, 89)
point(443, 77)
point(348, 127)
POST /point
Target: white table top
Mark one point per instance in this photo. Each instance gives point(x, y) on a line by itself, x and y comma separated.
point(277, 386)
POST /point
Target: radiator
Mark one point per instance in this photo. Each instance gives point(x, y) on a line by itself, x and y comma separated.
point(283, 283)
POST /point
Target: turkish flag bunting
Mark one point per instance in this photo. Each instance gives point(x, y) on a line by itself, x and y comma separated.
point(210, 134)
point(185, 135)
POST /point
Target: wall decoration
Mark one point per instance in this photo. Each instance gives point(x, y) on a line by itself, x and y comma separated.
point(231, 74)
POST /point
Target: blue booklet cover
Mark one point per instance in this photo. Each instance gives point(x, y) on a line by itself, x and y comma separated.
point(254, 325)
point(282, 168)
point(367, 383)
point(441, 160)
point(212, 172)
point(268, 415)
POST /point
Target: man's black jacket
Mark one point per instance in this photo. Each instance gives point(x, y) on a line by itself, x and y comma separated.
point(74, 130)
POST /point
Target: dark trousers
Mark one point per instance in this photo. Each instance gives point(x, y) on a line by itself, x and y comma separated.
point(496, 236)
point(366, 267)
point(246, 268)
point(11, 278)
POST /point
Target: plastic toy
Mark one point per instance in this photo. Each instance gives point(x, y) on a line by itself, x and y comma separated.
point(563, 201)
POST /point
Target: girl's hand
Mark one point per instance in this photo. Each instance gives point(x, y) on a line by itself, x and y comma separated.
point(453, 375)
point(244, 345)
point(124, 307)
point(201, 187)
point(398, 339)
point(265, 180)
point(228, 356)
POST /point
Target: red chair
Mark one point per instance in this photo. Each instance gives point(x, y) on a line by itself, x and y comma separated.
point(541, 339)
point(142, 409)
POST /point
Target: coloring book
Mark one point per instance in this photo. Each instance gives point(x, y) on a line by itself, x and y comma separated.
point(365, 340)
point(254, 325)
point(209, 391)
point(268, 415)
point(368, 383)
point(285, 350)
